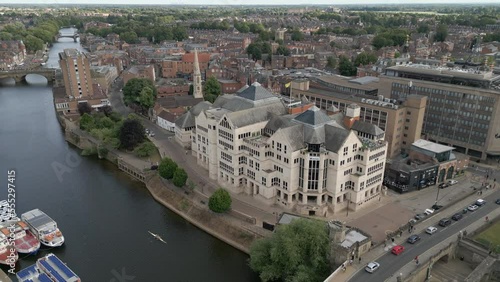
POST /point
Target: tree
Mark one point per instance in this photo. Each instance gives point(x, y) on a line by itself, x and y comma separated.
point(282, 50)
point(129, 37)
point(133, 90)
point(180, 177)
point(106, 110)
point(167, 168)
point(298, 251)
point(220, 201)
point(297, 35)
point(346, 67)
point(146, 149)
point(131, 134)
point(365, 58)
point(84, 108)
point(441, 33)
point(211, 89)
point(423, 28)
point(146, 99)
point(33, 43)
point(87, 122)
point(331, 62)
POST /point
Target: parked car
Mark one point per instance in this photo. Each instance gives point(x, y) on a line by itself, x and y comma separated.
point(443, 185)
point(472, 207)
point(152, 134)
point(420, 216)
point(452, 182)
point(397, 249)
point(445, 222)
point(457, 216)
point(413, 238)
point(480, 202)
point(431, 230)
point(436, 207)
point(497, 202)
point(429, 211)
point(372, 266)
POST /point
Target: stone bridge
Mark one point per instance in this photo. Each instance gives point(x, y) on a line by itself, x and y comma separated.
point(20, 75)
point(74, 36)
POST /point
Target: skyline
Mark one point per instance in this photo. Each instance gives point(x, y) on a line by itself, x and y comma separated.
point(243, 3)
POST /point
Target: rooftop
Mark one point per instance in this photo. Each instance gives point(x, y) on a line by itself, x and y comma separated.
point(352, 237)
point(431, 146)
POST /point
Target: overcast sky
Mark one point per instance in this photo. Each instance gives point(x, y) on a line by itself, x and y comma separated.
point(241, 2)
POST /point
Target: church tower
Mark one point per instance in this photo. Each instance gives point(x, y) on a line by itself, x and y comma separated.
point(197, 92)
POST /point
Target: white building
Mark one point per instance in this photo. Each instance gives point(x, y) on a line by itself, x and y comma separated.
point(166, 121)
point(315, 163)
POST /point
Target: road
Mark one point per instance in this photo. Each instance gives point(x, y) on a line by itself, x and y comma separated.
point(390, 264)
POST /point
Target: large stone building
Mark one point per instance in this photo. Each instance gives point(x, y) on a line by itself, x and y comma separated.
point(308, 161)
point(75, 69)
point(401, 120)
point(462, 107)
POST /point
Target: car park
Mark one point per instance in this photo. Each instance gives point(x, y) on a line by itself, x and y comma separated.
point(431, 230)
point(472, 207)
point(480, 202)
point(452, 182)
point(444, 222)
point(397, 249)
point(457, 216)
point(413, 239)
point(372, 266)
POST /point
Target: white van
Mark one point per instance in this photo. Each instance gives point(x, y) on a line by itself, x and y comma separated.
point(452, 182)
point(480, 202)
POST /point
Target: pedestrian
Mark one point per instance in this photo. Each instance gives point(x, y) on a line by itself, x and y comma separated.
point(360, 259)
point(416, 261)
point(350, 262)
point(392, 239)
point(487, 219)
point(352, 257)
point(400, 233)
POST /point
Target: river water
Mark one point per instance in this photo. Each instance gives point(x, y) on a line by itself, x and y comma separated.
point(103, 214)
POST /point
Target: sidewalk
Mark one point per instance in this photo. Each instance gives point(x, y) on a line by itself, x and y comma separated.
point(380, 250)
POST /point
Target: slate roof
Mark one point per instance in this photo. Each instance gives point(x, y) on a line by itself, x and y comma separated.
point(254, 115)
point(293, 135)
point(276, 122)
point(255, 92)
point(313, 116)
point(188, 119)
point(366, 127)
point(335, 137)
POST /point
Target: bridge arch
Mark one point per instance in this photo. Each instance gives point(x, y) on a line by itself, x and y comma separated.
point(19, 76)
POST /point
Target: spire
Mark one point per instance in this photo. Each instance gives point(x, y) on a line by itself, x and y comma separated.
point(197, 93)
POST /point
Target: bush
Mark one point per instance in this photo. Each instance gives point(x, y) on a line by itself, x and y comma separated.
point(146, 149)
point(220, 201)
point(167, 168)
point(180, 177)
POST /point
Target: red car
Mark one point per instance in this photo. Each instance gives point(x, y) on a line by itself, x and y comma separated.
point(397, 249)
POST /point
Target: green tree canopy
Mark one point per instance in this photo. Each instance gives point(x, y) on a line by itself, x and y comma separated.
point(331, 62)
point(180, 177)
point(297, 252)
point(346, 67)
point(131, 134)
point(211, 89)
point(220, 201)
point(423, 28)
point(365, 58)
point(441, 33)
point(145, 149)
point(297, 35)
point(282, 50)
point(87, 122)
point(167, 168)
point(139, 91)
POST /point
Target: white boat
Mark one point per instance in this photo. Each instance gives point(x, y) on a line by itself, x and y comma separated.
point(43, 227)
point(157, 237)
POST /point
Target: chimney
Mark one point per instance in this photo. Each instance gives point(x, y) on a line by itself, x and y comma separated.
point(352, 114)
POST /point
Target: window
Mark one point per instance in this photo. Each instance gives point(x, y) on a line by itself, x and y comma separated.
point(264, 181)
point(257, 166)
point(354, 148)
point(313, 174)
point(301, 173)
point(346, 151)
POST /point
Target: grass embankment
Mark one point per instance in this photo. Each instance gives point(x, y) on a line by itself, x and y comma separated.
point(490, 237)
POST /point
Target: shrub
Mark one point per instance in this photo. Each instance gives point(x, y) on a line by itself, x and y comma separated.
point(220, 201)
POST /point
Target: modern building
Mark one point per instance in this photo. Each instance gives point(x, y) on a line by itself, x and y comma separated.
point(75, 69)
point(427, 164)
point(308, 161)
point(401, 120)
point(464, 117)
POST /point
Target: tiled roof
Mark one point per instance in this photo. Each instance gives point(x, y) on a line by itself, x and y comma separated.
point(313, 116)
point(255, 92)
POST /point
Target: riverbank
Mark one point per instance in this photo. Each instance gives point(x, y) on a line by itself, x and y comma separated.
point(189, 206)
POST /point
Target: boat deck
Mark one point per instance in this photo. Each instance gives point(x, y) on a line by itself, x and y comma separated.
point(27, 242)
point(31, 274)
point(56, 269)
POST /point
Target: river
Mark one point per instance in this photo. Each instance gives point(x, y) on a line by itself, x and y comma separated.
point(103, 214)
